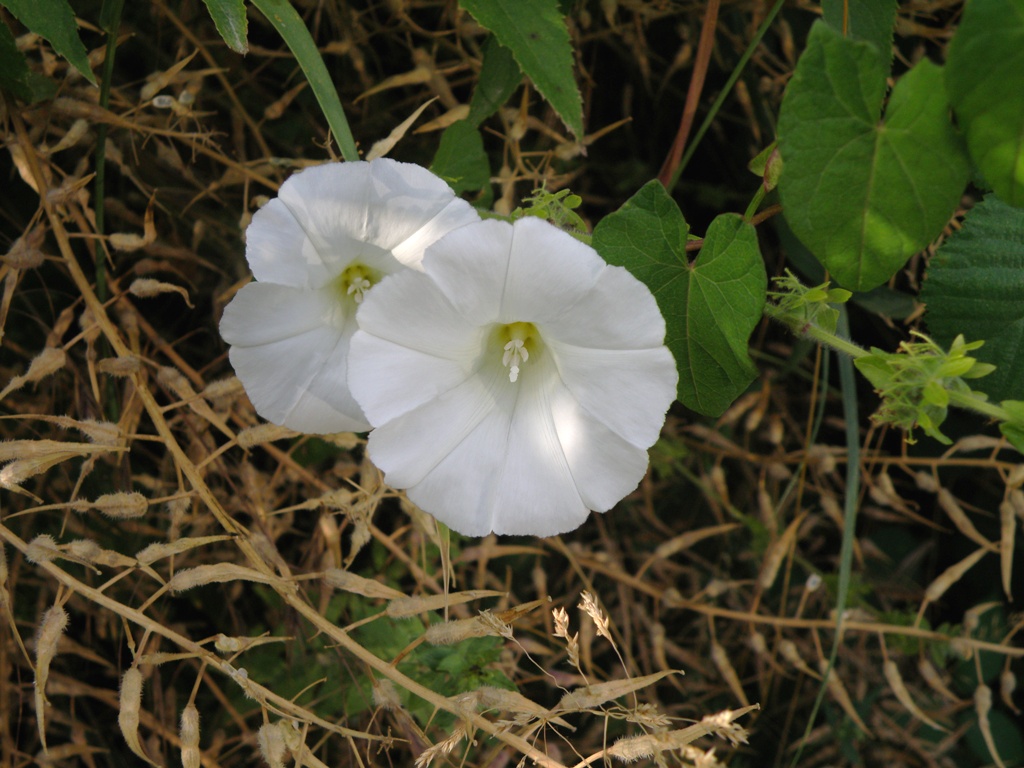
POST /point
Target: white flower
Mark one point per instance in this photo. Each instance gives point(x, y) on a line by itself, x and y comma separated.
point(516, 383)
point(332, 232)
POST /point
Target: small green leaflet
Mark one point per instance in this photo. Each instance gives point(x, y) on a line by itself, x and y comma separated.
point(14, 73)
point(460, 158)
point(864, 194)
point(499, 77)
point(975, 286)
point(54, 20)
point(985, 82)
point(711, 306)
point(536, 33)
point(231, 22)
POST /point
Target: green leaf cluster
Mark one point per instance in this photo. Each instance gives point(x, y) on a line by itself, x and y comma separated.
point(915, 382)
point(799, 305)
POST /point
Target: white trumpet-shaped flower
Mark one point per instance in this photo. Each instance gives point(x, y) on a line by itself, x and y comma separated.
point(332, 232)
point(516, 383)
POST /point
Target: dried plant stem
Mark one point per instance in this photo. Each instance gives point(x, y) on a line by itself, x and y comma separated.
point(288, 592)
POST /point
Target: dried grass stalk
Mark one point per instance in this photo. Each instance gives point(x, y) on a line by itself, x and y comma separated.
point(633, 748)
point(590, 696)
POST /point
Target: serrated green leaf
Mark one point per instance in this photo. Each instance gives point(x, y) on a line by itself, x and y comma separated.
point(460, 158)
point(229, 18)
point(975, 287)
point(869, 20)
point(862, 194)
point(536, 33)
point(499, 77)
point(985, 81)
point(711, 307)
point(14, 71)
point(289, 25)
point(54, 20)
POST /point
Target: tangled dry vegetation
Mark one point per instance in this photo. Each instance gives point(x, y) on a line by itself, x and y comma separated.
point(182, 582)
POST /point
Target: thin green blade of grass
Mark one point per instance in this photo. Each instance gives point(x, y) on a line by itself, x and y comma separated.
point(284, 18)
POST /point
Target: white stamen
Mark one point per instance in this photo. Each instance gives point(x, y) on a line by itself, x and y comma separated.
point(357, 288)
point(515, 353)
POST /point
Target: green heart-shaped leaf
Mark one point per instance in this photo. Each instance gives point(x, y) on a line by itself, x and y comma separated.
point(862, 193)
point(985, 82)
point(710, 306)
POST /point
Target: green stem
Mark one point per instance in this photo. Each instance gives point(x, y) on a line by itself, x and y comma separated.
point(973, 402)
point(755, 203)
point(286, 20)
point(811, 331)
point(110, 20)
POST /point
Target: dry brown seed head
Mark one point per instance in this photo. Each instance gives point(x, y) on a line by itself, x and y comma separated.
point(188, 732)
point(385, 695)
point(272, 747)
point(122, 505)
point(42, 549)
point(119, 366)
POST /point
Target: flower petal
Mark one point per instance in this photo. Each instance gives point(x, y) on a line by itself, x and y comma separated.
point(617, 312)
point(290, 350)
point(484, 457)
point(381, 213)
point(549, 271)
point(626, 390)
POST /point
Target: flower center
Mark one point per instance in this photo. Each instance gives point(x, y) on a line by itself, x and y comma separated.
point(518, 338)
point(355, 281)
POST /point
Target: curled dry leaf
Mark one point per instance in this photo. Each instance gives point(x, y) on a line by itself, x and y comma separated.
point(982, 707)
point(951, 576)
point(46, 363)
point(130, 705)
point(218, 573)
point(1007, 538)
point(405, 607)
point(122, 505)
point(52, 626)
point(147, 288)
point(160, 550)
point(359, 585)
point(892, 675)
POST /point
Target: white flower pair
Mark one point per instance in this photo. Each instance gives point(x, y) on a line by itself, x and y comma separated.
point(514, 379)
